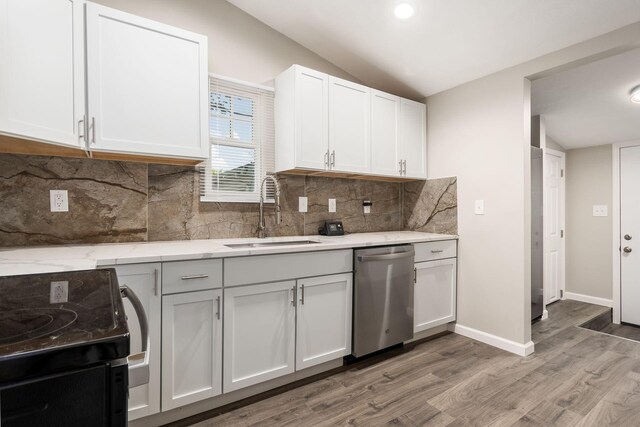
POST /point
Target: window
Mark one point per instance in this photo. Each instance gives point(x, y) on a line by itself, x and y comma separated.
point(241, 133)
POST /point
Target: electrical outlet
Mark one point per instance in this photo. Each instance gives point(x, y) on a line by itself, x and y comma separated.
point(59, 200)
point(302, 204)
point(332, 205)
point(59, 292)
point(600, 210)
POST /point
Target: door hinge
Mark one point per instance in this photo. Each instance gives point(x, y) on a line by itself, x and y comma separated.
point(561, 173)
point(561, 234)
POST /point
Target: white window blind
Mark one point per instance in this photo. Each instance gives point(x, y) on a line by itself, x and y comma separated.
point(241, 133)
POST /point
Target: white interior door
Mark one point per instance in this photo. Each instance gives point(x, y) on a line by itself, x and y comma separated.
point(554, 211)
point(629, 233)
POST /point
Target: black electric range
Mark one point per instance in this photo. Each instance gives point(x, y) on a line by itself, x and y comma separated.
point(64, 341)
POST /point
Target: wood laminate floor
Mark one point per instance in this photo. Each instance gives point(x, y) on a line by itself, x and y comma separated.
point(576, 377)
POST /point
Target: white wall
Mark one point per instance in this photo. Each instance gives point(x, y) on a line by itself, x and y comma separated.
point(480, 132)
point(240, 46)
point(589, 261)
point(553, 144)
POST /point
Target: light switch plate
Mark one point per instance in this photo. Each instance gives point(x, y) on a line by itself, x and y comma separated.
point(332, 205)
point(600, 210)
point(302, 204)
point(479, 207)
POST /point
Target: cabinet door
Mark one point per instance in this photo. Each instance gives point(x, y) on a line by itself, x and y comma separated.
point(259, 333)
point(385, 116)
point(42, 72)
point(147, 86)
point(144, 280)
point(413, 138)
point(323, 320)
point(312, 119)
point(435, 294)
point(191, 347)
point(349, 126)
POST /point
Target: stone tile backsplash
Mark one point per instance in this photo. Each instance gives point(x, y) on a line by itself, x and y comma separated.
point(115, 201)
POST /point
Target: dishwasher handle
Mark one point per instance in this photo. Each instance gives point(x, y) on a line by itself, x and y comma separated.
point(385, 257)
point(138, 363)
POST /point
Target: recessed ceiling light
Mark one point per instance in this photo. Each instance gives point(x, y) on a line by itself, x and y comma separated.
point(635, 94)
point(404, 10)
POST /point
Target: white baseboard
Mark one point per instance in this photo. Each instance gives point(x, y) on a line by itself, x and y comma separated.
point(588, 299)
point(494, 340)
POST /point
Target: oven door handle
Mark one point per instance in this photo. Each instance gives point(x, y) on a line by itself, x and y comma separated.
point(138, 363)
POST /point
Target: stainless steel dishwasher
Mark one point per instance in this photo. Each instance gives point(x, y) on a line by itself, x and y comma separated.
point(383, 298)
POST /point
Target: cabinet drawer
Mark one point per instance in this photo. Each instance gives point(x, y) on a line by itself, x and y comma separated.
point(184, 276)
point(272, 268)
point(430, 251)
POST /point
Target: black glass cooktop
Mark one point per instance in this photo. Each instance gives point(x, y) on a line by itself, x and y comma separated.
point(55, 321)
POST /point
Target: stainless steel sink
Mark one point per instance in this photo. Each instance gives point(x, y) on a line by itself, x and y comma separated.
point(271, 244)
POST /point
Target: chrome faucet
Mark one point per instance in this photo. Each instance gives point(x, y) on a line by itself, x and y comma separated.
point(261, 225)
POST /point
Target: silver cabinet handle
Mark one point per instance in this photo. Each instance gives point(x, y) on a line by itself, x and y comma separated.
point(218, 305)
point(326, 160)
point(415, 275)
point(333, 158)
point(293, 296)
point(627, 250)
point(302, 294)
point(93, 130)
point(195, 276)
point(82, 130)
point(627, 237)
point(404, 165)
point(400, 163)
point(155, 281)
point(138, 371)
point(437, 251)
point(384, 257)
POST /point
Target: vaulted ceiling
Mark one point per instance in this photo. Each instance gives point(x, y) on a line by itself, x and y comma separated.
point(446, 43)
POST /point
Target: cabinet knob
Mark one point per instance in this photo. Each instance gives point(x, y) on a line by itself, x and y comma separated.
point(627, 250)
point(627, 237)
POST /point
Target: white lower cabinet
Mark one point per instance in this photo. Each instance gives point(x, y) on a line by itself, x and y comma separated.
point(144, 280)
point(191, 347)
point(259, 333)
point(435, 294)
point(323, 330)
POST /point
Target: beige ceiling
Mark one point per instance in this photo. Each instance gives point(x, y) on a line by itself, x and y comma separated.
point(589, 105)
point(447, 43)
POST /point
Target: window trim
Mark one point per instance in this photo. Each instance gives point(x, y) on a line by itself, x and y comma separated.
point(207, 193)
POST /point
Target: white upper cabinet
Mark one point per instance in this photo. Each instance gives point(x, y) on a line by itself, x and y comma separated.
point(349, 126)
point(42, 70)
point(302, 119)
point(147, 86)
point(413, 138)
point(326, 124)
point(385, 120)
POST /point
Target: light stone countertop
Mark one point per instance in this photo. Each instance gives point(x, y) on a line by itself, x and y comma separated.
point(45, 259)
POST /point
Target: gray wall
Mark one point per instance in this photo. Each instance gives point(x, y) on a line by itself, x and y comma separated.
point(480, 132)
point(240, 46)
point(553, 144)
point(589, 261)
